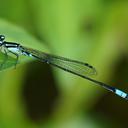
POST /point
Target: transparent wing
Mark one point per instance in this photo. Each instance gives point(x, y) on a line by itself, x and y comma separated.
point(69, 65)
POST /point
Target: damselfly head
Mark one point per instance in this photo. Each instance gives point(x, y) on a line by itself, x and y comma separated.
point(2, 37)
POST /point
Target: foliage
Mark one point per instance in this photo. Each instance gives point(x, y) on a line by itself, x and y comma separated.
point(34, 95)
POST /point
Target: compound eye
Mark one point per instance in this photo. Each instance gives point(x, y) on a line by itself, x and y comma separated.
point(2, 37)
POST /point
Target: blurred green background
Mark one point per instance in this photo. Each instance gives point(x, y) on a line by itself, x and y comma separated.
point(35, 95)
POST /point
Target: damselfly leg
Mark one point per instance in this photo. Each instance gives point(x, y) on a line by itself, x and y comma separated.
point(5, 58)
point(17, 58)
point(6, 52)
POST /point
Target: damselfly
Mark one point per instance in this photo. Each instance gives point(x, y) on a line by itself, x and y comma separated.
point(75, 67)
